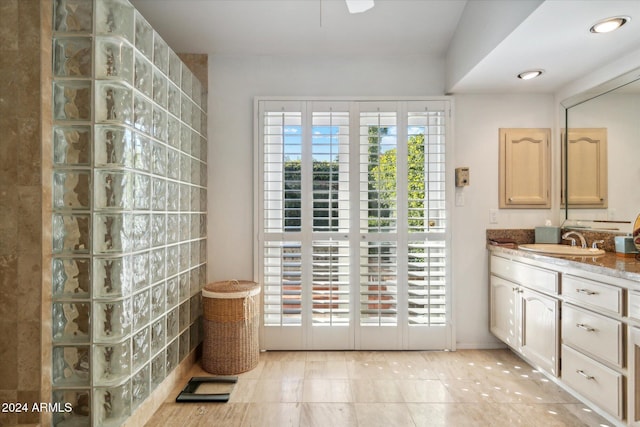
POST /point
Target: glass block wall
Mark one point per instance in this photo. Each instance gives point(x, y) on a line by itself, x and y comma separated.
point(129, 210)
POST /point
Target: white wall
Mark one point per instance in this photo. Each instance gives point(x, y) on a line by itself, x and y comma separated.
point(477, 120)
point(235, 80)
point(233, 83)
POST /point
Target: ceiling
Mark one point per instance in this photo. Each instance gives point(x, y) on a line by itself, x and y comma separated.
point(552, 35)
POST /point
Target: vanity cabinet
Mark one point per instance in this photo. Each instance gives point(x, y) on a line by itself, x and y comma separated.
point(524, 311)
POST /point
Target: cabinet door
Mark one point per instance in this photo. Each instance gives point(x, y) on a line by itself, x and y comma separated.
point(586, 168)
point(540, 332)
point(525, 173)
point(633, 382)
point(505, 311)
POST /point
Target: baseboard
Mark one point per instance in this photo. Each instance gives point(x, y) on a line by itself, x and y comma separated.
point(480, 345)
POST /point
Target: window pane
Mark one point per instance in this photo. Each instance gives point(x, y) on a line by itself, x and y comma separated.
point(378, 283)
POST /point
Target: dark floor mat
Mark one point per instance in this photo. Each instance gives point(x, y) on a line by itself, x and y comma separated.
point(207, 389)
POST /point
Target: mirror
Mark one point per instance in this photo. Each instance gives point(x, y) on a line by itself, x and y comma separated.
point(606, 197)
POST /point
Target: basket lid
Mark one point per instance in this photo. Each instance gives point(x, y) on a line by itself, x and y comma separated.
point(231, 289)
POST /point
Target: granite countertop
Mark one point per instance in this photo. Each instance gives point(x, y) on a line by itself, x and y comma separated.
point(608, 264)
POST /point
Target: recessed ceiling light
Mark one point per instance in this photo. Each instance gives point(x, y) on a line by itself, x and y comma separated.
point(528, 75)
point(609, 24)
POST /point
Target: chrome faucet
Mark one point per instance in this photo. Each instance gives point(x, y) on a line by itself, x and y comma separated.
point(583, 242)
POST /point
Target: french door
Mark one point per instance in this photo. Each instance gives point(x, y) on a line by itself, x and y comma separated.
point(351, 224)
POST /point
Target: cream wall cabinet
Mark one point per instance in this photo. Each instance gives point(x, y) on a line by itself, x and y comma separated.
point(587, 169)
point(525, 172)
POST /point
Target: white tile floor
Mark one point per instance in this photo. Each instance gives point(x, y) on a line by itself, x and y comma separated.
point(364, 388)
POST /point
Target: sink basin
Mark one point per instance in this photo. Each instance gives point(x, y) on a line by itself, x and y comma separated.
point(562, 250)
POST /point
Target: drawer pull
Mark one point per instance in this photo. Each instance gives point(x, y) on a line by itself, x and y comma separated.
point(584, 374)
point(585, 327)
point(586, 292)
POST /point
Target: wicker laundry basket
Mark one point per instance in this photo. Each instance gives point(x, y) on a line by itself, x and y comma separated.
point(231, 325)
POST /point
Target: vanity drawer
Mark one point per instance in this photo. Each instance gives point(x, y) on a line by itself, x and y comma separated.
point(527, 275)
point(602, 385)
point(595, 294)
point(596, 334)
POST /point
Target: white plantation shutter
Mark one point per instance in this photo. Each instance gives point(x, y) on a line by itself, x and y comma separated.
point(352, 224)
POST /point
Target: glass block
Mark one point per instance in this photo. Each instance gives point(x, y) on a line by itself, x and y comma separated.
point(173, 324)
point(140, 271)
point(113, 146)
point(156, 263)
point(157, 335)
point(196, 118)
point(185, 85)
point(195, 252)
point(71, 145)
point(140, 385)
point(172, 260)
point(174, 100)
point(70, 233)
point(173, 132)
point(141, 225)
point(159, 159)
point(184, 230)
point(143, 80)
point(173, 195)
point(157, 300)
point(70, 366)
point(73, 16)
point(185, 197)
point(173, 230)
point(173, 292)
point(160, 53)
point(185, 139)
point(203, 198)
point(113, 103)
point(185, 293)
point(172, 354)
point(185, 109)
point(184, 345)
point(160, 88)
point(194, 335)
point(111, 277)
point(194, 288)
point(71, 277)
point(140, 348)
point(111, 233)
point(142, 114)
point(203, 254)
point(159, 194)
point(203, 149)
point(194, 233)
point(203, 275)
point(141, 191)
point(113, 189)
point(111, 405)
point(185, 168)
point(72, 57)
point(195, 174)
point(71, 189)
point(72, 100)
point(159, 123)
point(113, 59)
point(115, 17)
point(112, 320)
point(195, 199)
point(173, 164)
point(75, 408)
point(144, 36)
point(195, 144)
point(70, 321)
point(141, 310)
point(203, 124)
point(196, 91)
point(157, 369)
point(175, 67)
point(158, 230)
point(111, 363)
point(142, 148)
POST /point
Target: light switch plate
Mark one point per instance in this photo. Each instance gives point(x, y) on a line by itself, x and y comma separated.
point(462, 177)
